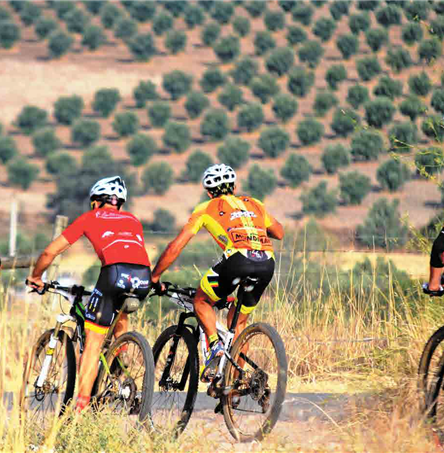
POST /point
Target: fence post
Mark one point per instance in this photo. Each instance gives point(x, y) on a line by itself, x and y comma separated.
point(60, 224)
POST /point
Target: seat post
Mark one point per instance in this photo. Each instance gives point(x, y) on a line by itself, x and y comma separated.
point(237, 311)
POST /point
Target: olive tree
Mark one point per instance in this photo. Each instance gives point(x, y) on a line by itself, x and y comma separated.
point(196, 103)
point(324, 101)
point(68, 108)
point(345, 121)
point(280, 61)
point(105, 101)
point(348, 45)
point(176, 136)
point(335, 74)
point(403, 136)
point(140, 148)
point(264, 87)
point(231, 97)
point(21, 172)
point(196, 164)
point(392, 175)
point(309, 131)
point(273, 141)
point(227, 48)
point(353, 187)
point(366, 145)
point(376, 38)
point(284, 107)
point(357, 95)
point(311, 52)
point(318, 201)
point(215, 125)
point(412, 107)
point(334, 157)
point(260, 182)
point(388, 87)
point(234, 152)
point(158, 177)
point(300, 81)
point(177, 83)
point(296, 170)
point(250, 117)
point(420, 84)
point(398, 59)
point(379, 112)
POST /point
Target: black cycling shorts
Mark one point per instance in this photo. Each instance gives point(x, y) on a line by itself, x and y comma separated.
point(223, 278)
point(115, 282)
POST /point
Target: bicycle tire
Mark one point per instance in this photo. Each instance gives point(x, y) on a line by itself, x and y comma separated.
point(34, 364)
point(140, 394)
point(274, 409)
point(426, 371)
point(192, 378)
point(434, 406)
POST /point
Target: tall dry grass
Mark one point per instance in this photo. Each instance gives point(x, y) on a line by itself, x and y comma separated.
point(361, 343)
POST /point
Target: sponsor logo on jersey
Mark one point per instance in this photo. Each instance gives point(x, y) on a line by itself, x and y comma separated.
point(223, 238)
point(89, 316)
point(107, 234)
point(250, 237)
point(238, 214)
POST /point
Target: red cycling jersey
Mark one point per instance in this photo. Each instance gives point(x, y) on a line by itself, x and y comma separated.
point(117, 236)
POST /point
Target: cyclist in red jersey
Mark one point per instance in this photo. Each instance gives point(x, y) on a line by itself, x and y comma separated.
point(117, 238)
point(242, 227)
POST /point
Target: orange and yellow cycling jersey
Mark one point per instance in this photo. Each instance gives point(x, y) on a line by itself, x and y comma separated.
point(234, 222)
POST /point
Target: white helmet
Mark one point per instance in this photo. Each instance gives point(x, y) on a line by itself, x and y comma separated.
point(109, 186)
point(218, 174)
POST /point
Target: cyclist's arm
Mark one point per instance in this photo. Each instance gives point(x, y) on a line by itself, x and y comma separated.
point(276, 230)
point(172, 251)
point(56, 247)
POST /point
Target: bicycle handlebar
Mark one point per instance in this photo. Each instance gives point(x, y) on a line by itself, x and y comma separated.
point(75, 290)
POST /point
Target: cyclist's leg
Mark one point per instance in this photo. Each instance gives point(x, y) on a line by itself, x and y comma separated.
point(203, 307)
point(121, 326)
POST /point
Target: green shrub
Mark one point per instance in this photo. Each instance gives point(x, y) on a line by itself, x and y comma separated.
point(157, 178)
point(284, 107)
point(59, 44)
point(309, 131)
point(354, 187)
point(177, 83)
point(264, 87)
point(335, 75)
point(366, 145)
point(125, 28)
point(8, 148)
point(85, 132)
point(45, 142)
point(300, 81)
point(263, 42)
point(76, 21)
point(241, 26)
point(429, 162)
point(4, 14)
point(222, 12)
point(250, 117)
point(196, 103)
point(273, 141)
point(334, 157)
point(429, 50)
point(62, 8)
point(163, 221)
point(416, 10)
point(296, 170)
point(145, 91)
point(338, 9)
point(140, 149)
point(280, 61)
point(383, 226)
point(215, 125)
point(231, 96)
point(162, 22)
point(388, 87)
point(31, 118)
point(324, 101)
point(274, 20)
point(412, 107)
point(142, 46)
point(392, 175)
point(345, 121)
point(368, 68)
point(68, 108)
point(324, 28)
point(177, 136)
point(159, 113)
point(244, 70)
point(295, 35)
point(286, 5)
point(398, 59)
point(234, 152)
point(368, 5)
point(212, 79)
point(227, 48)
point(254, 8)
point(348, 45)
point(110, 14)
point(437, 101)
point(388, 15)
point(412, 33)
point(210, 34)
point(318, 201)
point(196, 164)
point(193, 15)
point(379, 112)
point(420, 84)
point(403, 136)
point(260, 182)
point(359, 22)
point(30, 13)
point(433, 127)
point(376, 38)
point(311, 52)
point(44, 27)
point(175, 41)
point(125, 124)
point(105, 101)
point(302, 13)
point(60, 163)
point(145, 11)
point(94, 7)
point(22, 173)
point(437, 27)
point(357, 95)
point(93, 37)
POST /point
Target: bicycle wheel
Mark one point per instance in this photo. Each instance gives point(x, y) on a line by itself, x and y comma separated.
point(126, 384)
point(428, 368)
point(176, 379)
point(40, 403)
point(253, 404)
point(435, 399)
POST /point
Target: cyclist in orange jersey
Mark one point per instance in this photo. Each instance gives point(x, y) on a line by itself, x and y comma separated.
point(242, 228)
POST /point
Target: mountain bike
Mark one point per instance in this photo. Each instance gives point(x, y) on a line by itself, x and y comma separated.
point(126, 366)
point(250, 381)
